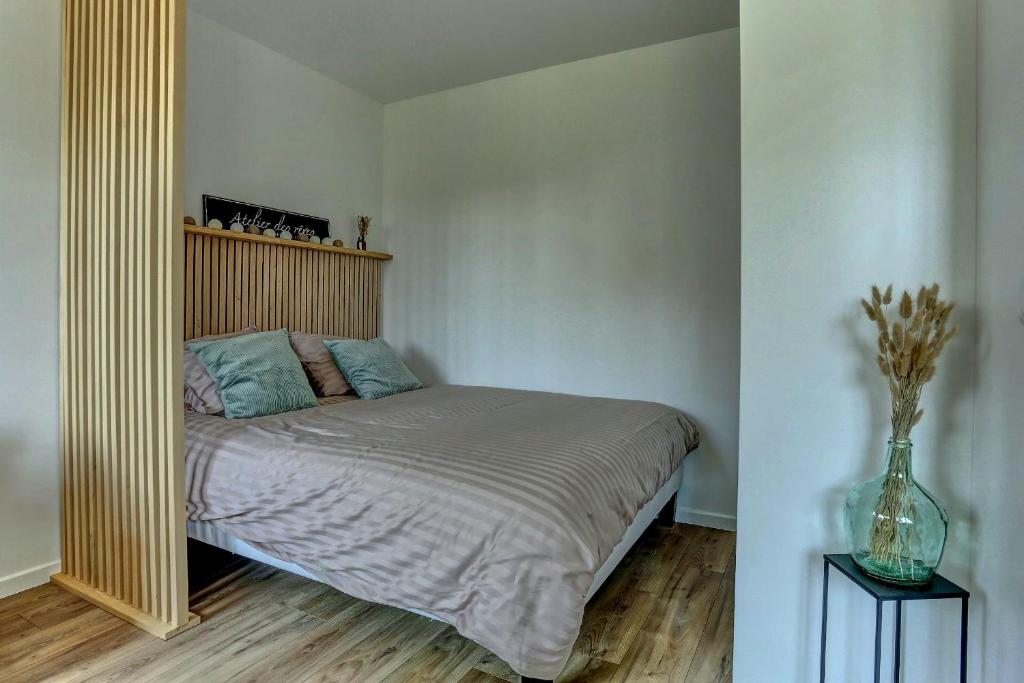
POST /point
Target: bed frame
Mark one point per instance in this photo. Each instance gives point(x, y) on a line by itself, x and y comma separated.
point(662, 502)
point(234, 280)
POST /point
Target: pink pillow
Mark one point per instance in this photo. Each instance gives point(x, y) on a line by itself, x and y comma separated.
point(324, 375)
point(201, 395)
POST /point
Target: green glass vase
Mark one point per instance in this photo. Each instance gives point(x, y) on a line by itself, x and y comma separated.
point(895, 529)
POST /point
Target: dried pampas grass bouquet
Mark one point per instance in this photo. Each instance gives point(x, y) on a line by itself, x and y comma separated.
point(896, 529)
point(908, 347)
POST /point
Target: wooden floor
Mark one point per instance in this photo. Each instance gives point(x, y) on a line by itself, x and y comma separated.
point(664, 615)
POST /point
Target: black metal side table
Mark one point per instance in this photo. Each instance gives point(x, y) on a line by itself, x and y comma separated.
point(940, 588)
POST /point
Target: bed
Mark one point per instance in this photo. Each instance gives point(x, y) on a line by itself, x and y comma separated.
point(497, 511)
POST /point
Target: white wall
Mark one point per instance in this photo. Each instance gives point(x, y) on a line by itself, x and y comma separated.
point(858, 132)
point(29, 205)
point(999, 408)
point(576, 229)
point(262, 128)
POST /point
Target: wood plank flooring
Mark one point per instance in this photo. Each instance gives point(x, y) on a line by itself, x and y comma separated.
point(664, 615)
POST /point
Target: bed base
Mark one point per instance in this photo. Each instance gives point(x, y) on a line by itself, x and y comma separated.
point(663, 505)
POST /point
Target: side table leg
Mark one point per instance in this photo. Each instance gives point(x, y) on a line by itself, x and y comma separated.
point(878, 641)
point(824, 618)
point(963, 640)
point(896, 648)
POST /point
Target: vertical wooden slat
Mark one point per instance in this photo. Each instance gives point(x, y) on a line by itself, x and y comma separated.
point(350, 300)
point(359, 288)
point(225, 296)
point(122, 310)
point(298, 280)
point(331, 295)
point(339, 302)
point(66, 199)
point(101, 299)
point(177, 561)
point(134, 278)
point(294, 290)
point(302, 306)
point(205, 281)
point(364, 292)
point(324, 292)
point(159, 303)
point(357, 300)
point(117, 350)
point(363, 288)
point(92, 192)
point(229, 287)
point(257, 285)
point(190, 254)
point(313, 292)
point(280, 257)
point(74, 421)
point(214, 284)
point(310, 293)
point(273, 291)
point(243, 270)
point(371, 299)
point(378, 297)
point(151, 594)
point(235, 303)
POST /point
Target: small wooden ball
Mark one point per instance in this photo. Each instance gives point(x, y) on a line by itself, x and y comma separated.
point(338, 243)
point(253, 230)
point(189, 220)
point(302, 237)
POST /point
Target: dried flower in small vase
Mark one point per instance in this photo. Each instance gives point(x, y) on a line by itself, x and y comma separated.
point(364, 228)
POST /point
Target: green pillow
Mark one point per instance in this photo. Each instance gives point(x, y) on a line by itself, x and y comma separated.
point(372, 367)
point(256, 374)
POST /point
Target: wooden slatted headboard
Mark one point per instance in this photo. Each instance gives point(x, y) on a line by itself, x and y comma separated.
point(233, 280)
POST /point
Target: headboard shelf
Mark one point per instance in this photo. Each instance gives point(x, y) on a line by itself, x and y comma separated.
point(235, 280)
point(246, 237)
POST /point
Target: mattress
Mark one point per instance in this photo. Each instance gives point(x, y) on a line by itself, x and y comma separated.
point(491, 509)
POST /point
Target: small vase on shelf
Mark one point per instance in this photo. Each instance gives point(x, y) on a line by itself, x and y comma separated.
point(895, 529)
point(364, 227)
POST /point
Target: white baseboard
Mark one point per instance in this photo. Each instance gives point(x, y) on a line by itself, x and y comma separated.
point(715, 520)
point(29, 578)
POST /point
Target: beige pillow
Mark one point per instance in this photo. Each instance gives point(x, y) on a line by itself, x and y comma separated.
point(324, 375)
point(201, 395)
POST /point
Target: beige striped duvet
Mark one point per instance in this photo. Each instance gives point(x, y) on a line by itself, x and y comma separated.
point(488, 508)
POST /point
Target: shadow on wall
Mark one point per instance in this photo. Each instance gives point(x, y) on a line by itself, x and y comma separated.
point(421, 365)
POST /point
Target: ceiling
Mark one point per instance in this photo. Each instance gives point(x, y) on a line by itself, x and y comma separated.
point(395, 49)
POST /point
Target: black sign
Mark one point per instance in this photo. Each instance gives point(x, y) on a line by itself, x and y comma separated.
point(228, 211)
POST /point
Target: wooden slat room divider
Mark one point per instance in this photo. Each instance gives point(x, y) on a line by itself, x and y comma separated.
point(233, 280)
point(123, 527)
